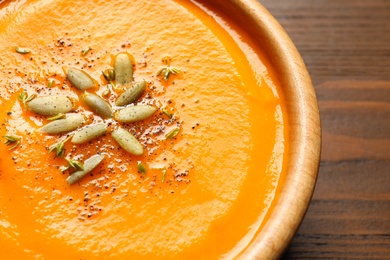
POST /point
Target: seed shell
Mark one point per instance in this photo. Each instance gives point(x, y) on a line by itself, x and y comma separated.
point(65, 125)
point(131, 94)
point(98, 105)
point(127, 141)
point(89, 165)
point(80, 79)
point(134, 113)
point(123, 68)
point(50, 105)
point(89, 133)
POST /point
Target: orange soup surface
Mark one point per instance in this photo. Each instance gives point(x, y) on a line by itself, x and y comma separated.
point(214, 152)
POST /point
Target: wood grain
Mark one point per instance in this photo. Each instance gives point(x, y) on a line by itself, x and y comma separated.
point(346, 47)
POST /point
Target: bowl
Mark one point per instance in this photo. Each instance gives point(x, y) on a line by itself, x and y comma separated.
point(195, 185)
point(304, 121)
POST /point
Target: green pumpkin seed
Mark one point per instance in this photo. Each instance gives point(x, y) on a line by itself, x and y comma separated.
point(127, 141)
point(89, 133)
point(85, 51)
point(51, 105)
point(97, 104)
point(131, 94)
point(172, 134)
point(89, 165)
point(141, 168)
point(123, 68)
point(12, 140)
point(80, 79)
point(134, 113)
point(65, 125)
point(109, 75)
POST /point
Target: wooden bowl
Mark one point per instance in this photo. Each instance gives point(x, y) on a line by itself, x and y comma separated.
point(287, 212)
point(304, 122)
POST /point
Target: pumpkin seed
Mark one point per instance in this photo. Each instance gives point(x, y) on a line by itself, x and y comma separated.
point(25, 98)
point(89, 133)
point(97, 104)
point(109, 75)
point(164, 175)
point(65, 125)
point(106, 92)
point(12, 140)
point(127, 141)
point(50, 105)
point(89, 165)
point(74, 164)
point(123, 68)
point(131, 94)
point(85, 51)
point(59, 148)
point(50, 83)
point(172, 134)
point(134, 113)
point(166, 112)
point(141, 168)
point(22, 50)
point(80, 79)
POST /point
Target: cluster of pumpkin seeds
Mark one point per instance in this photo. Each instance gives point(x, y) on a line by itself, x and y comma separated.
point(58, 110)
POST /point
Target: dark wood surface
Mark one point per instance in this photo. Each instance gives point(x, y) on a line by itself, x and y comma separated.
point(346, 47)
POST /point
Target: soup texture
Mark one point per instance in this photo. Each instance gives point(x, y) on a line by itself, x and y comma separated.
point(214, 148)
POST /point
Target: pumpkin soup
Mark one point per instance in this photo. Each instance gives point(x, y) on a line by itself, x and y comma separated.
point(139, 129)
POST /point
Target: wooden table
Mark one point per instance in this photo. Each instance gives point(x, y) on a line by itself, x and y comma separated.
point(346, 47)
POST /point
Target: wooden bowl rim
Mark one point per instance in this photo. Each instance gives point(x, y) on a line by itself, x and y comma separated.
point(305, 129)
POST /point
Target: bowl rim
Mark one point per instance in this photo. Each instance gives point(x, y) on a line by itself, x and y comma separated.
point(304, 123)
